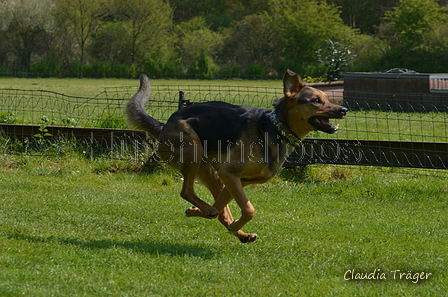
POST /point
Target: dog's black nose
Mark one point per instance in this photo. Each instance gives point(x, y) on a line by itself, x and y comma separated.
point(342, 110)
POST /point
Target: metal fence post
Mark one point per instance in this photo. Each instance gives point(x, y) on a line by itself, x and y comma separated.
point(181, 100)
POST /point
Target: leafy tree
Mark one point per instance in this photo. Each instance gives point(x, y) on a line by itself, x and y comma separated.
point(80, 17)
point(197, 47)
point(370, 52)
point(413, 18)
point(144, 24)
point(435, 45)
point(217, 13)
point(304, 26)
point(136, 36)
point(415, 31)
point(365, 15)
point(109, 43)
point(253, 39)
point(26, 25)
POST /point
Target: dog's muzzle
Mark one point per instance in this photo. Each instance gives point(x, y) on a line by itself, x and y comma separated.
point(322, 123)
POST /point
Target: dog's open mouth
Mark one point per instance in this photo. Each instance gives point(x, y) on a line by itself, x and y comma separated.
point(323, 124)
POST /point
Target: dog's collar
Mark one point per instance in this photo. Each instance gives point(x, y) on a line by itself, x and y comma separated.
point(284, 129)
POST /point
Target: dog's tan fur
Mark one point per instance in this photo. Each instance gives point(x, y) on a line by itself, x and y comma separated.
point(254, 156)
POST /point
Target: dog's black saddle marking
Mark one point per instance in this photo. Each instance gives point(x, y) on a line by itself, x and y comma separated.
point(222, 123)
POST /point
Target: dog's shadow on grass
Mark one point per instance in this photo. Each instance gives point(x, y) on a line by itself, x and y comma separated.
point(143, 247)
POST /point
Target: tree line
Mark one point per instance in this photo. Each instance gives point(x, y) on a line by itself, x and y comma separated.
point(217, 39)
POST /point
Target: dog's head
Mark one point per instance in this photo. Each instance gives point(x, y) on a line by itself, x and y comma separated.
point(307, 109)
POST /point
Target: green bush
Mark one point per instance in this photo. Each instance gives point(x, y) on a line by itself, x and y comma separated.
point(8, 117)
point(47, 68)
point(370, 51)
point(112, 121)
point(108, 69)
point(335, 58)
point(69, 122)
point(204, 67)
point(256, 70)
point(229, 71)
point(158, 68)
point(98, 69)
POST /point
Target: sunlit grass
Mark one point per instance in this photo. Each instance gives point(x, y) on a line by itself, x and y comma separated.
point(74, 227)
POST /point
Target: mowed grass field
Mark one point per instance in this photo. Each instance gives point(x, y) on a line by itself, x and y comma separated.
point(70, 226)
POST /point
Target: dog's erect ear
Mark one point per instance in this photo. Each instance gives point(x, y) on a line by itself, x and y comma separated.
point(292, 84)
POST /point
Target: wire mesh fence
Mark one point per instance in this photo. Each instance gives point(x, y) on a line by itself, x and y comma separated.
point(106, 110)
point(411, 117)
point(395, 131)
point(38, 106)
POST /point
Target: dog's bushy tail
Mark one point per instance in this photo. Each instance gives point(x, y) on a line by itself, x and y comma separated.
point(135, 112)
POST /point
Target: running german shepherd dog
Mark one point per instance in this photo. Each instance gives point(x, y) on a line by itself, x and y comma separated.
point(228, 147)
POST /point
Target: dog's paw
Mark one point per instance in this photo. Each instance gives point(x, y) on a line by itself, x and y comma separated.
point(250, 237)
point(242, 236)
point(193, 211)
point(212, 215)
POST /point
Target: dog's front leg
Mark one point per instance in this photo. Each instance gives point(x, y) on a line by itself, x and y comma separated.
point(226, 218)
point(235, 188)
point(247, 213)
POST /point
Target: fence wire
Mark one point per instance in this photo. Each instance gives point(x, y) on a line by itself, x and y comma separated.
point(380, 129)
point(38, 106)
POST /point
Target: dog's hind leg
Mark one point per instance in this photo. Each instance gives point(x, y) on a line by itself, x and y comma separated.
point(189, 172)
point(206, 175)
point(184, 153)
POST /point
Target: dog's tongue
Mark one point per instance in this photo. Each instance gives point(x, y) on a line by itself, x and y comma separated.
point(326, 121)
point(323, 124)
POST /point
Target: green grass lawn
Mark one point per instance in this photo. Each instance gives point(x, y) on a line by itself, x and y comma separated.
point(76, 227)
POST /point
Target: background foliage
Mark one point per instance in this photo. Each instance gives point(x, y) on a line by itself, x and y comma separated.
point(216, 39)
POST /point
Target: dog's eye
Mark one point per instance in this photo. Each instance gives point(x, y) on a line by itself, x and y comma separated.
point(316, 100)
